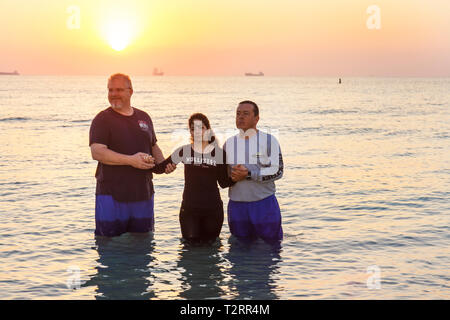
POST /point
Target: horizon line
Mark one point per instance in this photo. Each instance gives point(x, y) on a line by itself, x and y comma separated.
point(241, 75)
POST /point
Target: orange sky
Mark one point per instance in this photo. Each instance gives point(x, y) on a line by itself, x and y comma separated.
point(218, 37)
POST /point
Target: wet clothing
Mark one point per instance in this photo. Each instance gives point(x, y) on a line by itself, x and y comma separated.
point(200, 225)
point(124, 194)
point(249, 220)
point(201, 212)
point(253, 209)
point(112, 218)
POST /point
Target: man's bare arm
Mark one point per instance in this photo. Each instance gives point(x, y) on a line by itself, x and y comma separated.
point(159, 157)
point(100, 152)
point(157, 154)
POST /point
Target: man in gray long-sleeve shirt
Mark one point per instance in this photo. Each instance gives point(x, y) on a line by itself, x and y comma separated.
point(256, 161)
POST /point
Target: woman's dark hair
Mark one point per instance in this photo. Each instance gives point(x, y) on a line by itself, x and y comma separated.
point(205, 121)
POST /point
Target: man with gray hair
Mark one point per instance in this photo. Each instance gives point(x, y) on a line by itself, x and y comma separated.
point(123, 141)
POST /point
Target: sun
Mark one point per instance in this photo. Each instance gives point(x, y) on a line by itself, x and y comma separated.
point(119, 34)
point(119, 26)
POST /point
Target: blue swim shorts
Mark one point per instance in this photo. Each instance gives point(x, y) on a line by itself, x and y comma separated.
point(249, 220)
point(112, 218)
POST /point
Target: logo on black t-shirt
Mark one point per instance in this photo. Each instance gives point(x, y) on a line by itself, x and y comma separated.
point(143, 125)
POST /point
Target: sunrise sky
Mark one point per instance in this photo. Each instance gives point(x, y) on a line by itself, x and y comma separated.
point(218, 37)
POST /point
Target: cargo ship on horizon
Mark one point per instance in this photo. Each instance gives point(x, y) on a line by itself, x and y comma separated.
point(157, 73)
point(249, 74)
point(15, 73)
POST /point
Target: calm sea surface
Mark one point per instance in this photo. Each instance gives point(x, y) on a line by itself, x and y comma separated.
point(364, 198)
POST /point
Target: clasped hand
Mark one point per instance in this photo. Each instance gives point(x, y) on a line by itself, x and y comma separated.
point(149, 162)
point(239, 173)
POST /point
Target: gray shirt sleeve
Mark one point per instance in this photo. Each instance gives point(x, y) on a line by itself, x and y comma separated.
point(270, 167)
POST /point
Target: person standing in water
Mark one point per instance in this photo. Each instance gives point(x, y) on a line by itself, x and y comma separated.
point(201, 213)
point(123, 141)
point(253, 209)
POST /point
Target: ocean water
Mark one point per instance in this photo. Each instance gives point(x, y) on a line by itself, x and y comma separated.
point(364, 198)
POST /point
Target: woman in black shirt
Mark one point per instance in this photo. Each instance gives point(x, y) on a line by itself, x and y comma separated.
point(201, 212)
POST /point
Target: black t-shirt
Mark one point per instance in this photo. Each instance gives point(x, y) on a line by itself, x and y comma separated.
point(126, 135)
point(202, 171)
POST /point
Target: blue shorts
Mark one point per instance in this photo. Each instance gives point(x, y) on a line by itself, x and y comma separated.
point(112, 218)
point(250, 220)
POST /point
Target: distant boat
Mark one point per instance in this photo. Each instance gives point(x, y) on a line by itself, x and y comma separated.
point(15, 73)
point(157, 73)
point(249, 74)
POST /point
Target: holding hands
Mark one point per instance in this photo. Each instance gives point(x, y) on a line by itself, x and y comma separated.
point(142, 161)
point(170, 168)
point(239, 173)
point(149, 160)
